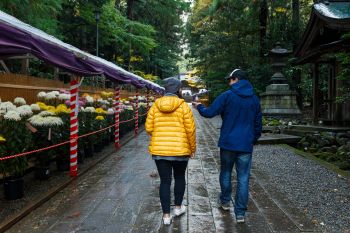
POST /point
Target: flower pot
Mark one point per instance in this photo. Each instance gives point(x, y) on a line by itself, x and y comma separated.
point(42, 172)
point(88, 151)
point(81, 156)
point(14, 188)
point(106, 142)
point(63, 165)
point(111, 138)
point(98, 147)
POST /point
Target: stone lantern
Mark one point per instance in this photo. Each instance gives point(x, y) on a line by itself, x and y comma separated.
point(279, 100)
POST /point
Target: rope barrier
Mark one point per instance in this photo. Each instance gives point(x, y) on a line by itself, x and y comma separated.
point(66, 142)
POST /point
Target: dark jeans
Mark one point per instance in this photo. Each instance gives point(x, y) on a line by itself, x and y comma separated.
point(243, 163)
point(165, 169)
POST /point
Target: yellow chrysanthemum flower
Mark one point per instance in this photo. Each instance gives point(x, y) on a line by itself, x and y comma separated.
point(42, 106)
point(62, 108)
point(2, 139)
point(51, 109)
point(100, 118)
point(100, 111)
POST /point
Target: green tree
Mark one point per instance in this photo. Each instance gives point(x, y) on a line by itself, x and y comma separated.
point(228, 34)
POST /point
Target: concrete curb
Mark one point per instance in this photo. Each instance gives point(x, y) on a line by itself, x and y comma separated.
point(51, 193)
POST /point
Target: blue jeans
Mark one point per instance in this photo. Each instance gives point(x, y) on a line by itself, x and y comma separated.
point(243, 163)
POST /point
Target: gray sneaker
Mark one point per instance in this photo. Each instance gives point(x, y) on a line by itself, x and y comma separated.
point(240, 219)
point(224, 206)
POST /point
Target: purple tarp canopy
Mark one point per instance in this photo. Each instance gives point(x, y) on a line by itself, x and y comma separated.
point(18, 38)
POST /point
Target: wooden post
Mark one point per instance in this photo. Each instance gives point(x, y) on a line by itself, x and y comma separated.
point(25, 66)
point(315, 93)
point(56, 73)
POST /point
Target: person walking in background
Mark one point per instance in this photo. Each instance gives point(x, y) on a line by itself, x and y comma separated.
point(241, 128)
point(171, 125)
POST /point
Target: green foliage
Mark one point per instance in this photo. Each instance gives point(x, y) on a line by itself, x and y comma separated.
point(165, 17)
point(40, 13)
point(19, 139)
point(225, 34)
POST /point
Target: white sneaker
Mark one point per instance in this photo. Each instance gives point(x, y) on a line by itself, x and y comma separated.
point(180, 211)
point(167, 221)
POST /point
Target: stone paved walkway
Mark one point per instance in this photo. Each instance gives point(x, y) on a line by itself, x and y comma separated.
point(119, 195)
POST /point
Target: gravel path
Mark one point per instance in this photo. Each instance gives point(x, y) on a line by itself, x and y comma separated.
point(322, 194)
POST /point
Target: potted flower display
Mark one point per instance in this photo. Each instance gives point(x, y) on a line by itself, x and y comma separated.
point(48, 129)
point(62, 134)
point(16, 139)
point(86, 118)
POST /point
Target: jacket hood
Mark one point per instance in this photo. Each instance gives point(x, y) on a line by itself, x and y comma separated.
point(243, 88)
point(168, 104)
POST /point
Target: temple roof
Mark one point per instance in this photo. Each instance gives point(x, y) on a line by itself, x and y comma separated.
point(329, 21)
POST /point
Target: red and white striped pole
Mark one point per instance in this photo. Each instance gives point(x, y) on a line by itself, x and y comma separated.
point(148, 99)
point(137, 112)
point(117, 113)
point(74, 85)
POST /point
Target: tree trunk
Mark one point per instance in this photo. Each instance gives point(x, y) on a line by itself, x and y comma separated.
point(129, 12)
point(296, 21)
point(263, 23)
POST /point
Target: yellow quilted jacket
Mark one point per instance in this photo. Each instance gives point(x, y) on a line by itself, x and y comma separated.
point(172, 128)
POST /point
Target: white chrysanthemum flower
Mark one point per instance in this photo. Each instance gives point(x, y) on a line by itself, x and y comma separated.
point(7, 106)
point(64, 96)
point(35, 107)
point(12, 116)
point(38, 120)
point(110, 111)
point(56, 93)
point(89, 109)
point(89, 99)
point(51, 95)
point(20, 101)
point(110, 99)
point(46, 113)
point(82, 109)
point(24, 110)
point(53, 121)
point(41, 94)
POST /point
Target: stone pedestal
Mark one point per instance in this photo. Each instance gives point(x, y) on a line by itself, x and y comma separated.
point(279, 100)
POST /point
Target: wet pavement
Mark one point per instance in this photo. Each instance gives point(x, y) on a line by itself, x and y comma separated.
point(121, 195)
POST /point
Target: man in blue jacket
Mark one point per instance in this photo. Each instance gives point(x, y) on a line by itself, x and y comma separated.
point(241, 127)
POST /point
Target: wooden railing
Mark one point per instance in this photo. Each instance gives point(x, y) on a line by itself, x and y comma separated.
point(17, 85)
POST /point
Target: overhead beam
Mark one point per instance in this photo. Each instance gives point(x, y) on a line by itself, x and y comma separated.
point(4, 66)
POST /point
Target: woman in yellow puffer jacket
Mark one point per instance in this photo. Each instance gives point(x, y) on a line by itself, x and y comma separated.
point(171, 125)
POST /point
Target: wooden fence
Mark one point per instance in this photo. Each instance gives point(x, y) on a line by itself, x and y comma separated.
point(17, 85)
